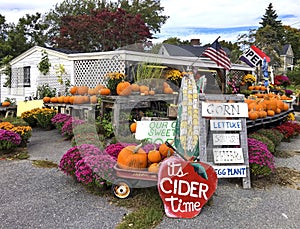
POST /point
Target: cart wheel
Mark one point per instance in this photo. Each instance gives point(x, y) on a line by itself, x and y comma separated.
point(121, 189)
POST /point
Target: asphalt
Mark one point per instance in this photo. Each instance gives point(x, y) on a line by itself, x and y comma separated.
point(34, 197)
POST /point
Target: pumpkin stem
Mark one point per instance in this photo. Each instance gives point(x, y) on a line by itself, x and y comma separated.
point(137, 148)
point(154, 146)
point(171, 142)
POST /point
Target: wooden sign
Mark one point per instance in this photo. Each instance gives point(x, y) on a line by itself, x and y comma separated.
point(155, 131)
point(224, 109)
point(183, 191)
point(228, 155)
point(28, 105)
point(230, 171)
point(226, 139)
point(225, 124)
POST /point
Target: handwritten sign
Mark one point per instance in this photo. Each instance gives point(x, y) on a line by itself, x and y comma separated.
point(226, 125)
point(183, 191)
point(230, 171)
point(155, 131)
point(224, 109)
point(226, 139)
point(228, 155)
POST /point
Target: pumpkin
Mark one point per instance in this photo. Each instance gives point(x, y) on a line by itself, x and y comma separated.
point(270, 112)
point(67, 99)
point(135, 87)
point(80, 99)
point(71, 100)
point(153, 168)
point(46, 99)
point(73, 90)
point(99, 87)
point(285, 106)
point(165, 150)
point(104, 91)
point(82, 90)
point(133, 127)
point(151, 92)
point(124, 88)
point(253, 115)
point(132, 157)
point(251, 88)
point(60, 99)
point(154, 155)
point(5, 104)
point(92, 91)
point(93, 99)
point(53, 100)
point(168, 90)
point(277, 111)
point(143, 88)
point(165, 84)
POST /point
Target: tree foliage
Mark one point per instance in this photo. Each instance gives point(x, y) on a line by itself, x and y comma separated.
point(176, 41)
point(102, 30)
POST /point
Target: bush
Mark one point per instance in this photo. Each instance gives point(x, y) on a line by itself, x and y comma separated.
point(274, 135)
point(9, 139)
point(264, 139)
point(261, 160)
point(67, 129)
point(44, 117)
point(59, 120)
point(289, 129)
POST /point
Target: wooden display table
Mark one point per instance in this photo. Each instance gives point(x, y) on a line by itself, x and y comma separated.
point(11, 110)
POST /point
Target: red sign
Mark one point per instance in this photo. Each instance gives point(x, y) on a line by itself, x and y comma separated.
point(183, 191)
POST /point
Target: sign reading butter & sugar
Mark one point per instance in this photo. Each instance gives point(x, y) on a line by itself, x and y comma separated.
point(155, 131)
point(224, 110)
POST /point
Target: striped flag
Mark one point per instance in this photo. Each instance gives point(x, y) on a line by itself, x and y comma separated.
point(217, 54)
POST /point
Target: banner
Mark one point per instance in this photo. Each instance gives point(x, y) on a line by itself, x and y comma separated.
point(254, 56)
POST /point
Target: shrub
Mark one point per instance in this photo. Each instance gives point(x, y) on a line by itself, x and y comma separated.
point(69, 160)
point(264, 139)
point(261, 160)
point(59, 120)
point(67, 128)
point(87, 138)
point(44, 116)
point(289, 129)
point(9, 139)
point(274, 135)
point(30, 116)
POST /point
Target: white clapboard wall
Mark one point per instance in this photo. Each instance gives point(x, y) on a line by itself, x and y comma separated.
point(223, 139)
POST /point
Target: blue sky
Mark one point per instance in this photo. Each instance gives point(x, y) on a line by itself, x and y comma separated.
point(190, 19)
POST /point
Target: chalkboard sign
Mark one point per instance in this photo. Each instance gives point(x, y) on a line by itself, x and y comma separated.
point(223, 139)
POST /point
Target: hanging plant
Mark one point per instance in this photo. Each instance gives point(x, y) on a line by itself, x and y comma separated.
point(44, 65)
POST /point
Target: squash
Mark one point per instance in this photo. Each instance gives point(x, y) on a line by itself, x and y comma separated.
point(73, 90)
point(104, 91)
point(133, 127)
point(151, 92)
point(53, 100)
point(46, 99)
point(92, 91)
point(99, 87)
point(253, 115)
point(123, 88)
point(144, 88)
point(135, 87)
point(270, 112)
point(82, 90)
point(5, 104)
point(154, 168)
point(60, 99)
point(67, 99)
point(154, 156)
point(93, 99)
point(168, 90)
point(132, 157)
point(71, 100)
point(165, 150)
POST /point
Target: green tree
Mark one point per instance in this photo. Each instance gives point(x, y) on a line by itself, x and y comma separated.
point(176, 41)
point(292, 36)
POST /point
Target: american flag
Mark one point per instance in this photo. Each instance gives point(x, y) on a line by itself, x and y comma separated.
point(217, 54)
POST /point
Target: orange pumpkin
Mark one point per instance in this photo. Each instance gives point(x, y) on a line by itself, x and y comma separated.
point(124, 88)
point(270, 112)
point(53, 100)
point(144, 88)
point(46, 99)
point(153, 168)
point(133, 127)
point(5, 104)
point(165, 150)
point(104, 91)
point(154, 156)
point(135, 87)
point(251, 88)
point(151, 92)
point(71, 100)
point(82, 90)
point(93, 99)
point(60, 99)
point(73, 90)
point(253, 115)
point(67, 99)
point(168, 90)
point(285, 106)
point(99, 87)
point(132, 157)
point(92, 91)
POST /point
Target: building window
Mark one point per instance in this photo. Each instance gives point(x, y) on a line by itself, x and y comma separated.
point(26, 76)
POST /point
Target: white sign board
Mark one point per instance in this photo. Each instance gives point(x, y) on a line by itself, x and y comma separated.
point(228, 155)
point(225, 124)
point(226, 139)
point(224, 110)
point(155, 131)
point(230, 171)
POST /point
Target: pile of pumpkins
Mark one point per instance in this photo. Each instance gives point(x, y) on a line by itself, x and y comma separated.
point(134, 157)
point(257, 88)
point(266, 105)
point(80, 95)
point(125, 88)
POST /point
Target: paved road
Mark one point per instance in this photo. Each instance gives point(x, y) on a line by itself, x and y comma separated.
point(46, 198)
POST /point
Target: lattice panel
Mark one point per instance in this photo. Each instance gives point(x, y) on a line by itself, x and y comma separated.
point(92, 72)
point(51, 80)
point(17, 81)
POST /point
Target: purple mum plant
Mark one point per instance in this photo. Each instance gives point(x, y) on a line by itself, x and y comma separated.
point(9, 139)
point(59, 120)
point(67, 128)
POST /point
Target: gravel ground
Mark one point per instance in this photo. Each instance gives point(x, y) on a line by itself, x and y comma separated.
point(46, 198)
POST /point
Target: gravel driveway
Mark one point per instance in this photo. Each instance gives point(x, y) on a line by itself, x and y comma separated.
point(34, 197)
